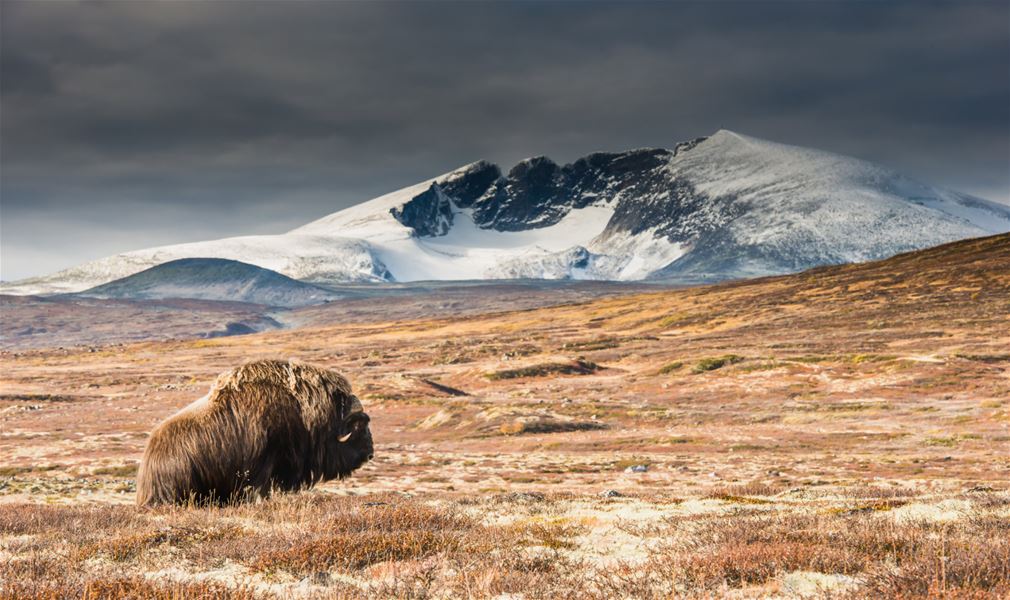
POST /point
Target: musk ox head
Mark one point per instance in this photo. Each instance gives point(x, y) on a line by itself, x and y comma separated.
point(267, 425)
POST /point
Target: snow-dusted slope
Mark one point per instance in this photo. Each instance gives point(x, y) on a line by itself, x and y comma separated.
point(298, 256)
point(787, 208)
point(712, 208)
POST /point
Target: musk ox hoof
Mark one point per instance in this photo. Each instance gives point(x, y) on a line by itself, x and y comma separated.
point(267, 425)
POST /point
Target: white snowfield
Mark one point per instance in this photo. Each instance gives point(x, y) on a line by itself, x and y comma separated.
point(846, 209)
point(830, 207)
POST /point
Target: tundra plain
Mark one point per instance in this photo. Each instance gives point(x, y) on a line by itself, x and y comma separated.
point(843, 432)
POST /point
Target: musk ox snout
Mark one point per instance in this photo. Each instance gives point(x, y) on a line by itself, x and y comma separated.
point(267, 425)
point(357, 436)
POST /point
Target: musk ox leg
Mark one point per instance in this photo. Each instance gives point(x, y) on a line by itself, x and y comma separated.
point(254, 483)
point(283, 459)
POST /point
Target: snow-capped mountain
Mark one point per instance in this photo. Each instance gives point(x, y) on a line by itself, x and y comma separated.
point(213, 279)
point(712, 208)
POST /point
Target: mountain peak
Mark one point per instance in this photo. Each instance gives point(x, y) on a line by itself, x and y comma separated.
point(725, 137)
point(540, 165)
point(724, 133)
point(476, 166)
point(728, 205)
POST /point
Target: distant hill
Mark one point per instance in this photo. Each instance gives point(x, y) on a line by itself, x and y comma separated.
point(213, 279)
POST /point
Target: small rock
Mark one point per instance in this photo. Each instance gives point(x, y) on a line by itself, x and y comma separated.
point(611, 494)
point(637, 469)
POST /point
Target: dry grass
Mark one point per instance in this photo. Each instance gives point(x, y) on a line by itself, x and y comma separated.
point(122, 587)
point(376, 534)
point(129, 470)
point(320, 545)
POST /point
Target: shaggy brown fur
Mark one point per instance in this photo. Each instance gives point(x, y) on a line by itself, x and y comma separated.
point(266, 425)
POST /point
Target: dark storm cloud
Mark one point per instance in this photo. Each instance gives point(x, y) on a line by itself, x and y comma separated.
point(126, 124)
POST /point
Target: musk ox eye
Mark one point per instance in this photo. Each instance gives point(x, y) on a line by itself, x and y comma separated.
point(353, 425)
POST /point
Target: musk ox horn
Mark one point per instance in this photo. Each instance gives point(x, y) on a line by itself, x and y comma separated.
point(354, 406)
point(266, 425)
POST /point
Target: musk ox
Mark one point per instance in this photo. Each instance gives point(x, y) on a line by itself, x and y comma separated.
point(264, 426)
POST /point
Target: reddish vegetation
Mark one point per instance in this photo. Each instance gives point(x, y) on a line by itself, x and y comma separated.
point(319, 545)
point(812, 411)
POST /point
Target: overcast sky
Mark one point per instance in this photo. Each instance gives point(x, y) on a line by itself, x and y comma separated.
point(130, 124)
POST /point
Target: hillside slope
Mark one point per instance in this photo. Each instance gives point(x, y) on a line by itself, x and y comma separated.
point(213, 279)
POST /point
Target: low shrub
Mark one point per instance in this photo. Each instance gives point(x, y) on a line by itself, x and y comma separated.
point(717, 362)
